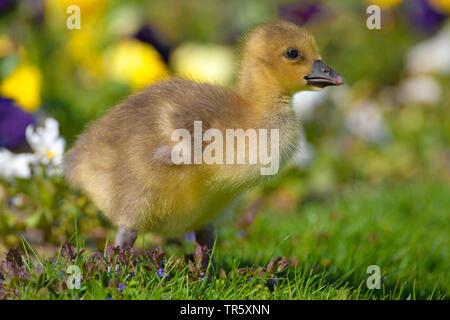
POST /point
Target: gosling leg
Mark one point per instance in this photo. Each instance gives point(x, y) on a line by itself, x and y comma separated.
point(206, 237)
point(125, 238)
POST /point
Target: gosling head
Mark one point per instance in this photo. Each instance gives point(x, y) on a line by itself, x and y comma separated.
point(285, 55)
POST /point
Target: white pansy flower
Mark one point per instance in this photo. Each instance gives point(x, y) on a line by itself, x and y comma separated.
point(419, 89)
point(304, 155)
point(341, 96)
point(431, 56)
point(15, 165)
point(48, 150)
point(365, 121)
point(124, 20)
point(47, 145)
point(305, 102)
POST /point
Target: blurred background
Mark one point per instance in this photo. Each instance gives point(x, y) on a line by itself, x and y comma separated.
point(389, 125)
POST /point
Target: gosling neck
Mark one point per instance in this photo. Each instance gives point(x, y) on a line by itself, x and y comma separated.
point(261, 91)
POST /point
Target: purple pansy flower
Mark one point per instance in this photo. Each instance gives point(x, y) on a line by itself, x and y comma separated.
point(422, 17)
point(6, 4)
point(13, 122)
point(151, 35)
point(305, 12)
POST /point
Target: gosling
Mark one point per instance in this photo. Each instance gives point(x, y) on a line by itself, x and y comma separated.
point(124, 161)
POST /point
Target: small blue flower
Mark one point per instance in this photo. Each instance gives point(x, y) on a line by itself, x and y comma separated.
point(77, 282)
point(121, 286)
point(108, 298)
point(273, 283)
point(161, 272)
point(242, 233)
point(190, 237)
point(202, 276)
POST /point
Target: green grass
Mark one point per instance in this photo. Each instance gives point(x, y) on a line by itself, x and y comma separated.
point(329, 243)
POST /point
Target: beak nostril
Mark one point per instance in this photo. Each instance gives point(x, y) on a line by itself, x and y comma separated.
point(322, 76)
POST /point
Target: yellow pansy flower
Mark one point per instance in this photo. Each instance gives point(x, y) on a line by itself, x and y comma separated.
point(86, 6)
point(441, 5)
point(385, 4)
point(24, 86)
point(81, 47)
point(204, 62)
point(134, 62)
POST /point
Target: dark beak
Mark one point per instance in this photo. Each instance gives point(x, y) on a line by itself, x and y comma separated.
point(323, 76)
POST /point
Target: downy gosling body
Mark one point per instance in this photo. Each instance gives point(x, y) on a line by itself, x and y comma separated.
point(123, 161)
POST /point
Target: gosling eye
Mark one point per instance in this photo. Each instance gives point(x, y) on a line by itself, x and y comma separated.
point(292, 54)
